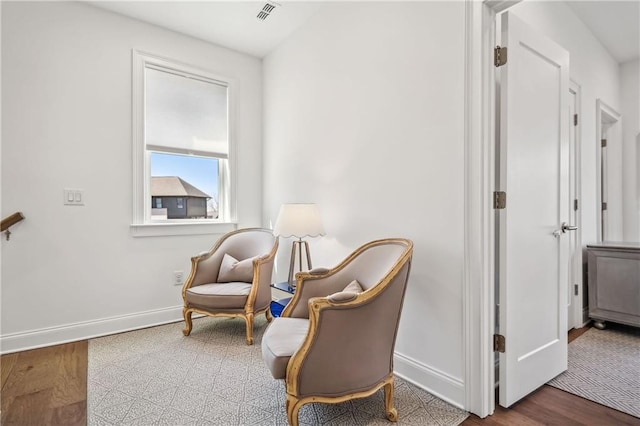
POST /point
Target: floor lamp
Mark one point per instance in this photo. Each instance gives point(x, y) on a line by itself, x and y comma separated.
point(299, 221)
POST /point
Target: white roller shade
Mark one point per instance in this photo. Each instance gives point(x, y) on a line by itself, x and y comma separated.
point(185, 114)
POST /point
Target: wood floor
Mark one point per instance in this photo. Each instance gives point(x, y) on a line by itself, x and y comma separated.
point(552, 406)
point(45, 386)
point(49, 387)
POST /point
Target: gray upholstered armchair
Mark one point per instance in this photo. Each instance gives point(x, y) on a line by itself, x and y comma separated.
point(232, 279)
point(335, 339)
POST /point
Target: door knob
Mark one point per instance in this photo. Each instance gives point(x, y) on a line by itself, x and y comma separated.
point(566, 227)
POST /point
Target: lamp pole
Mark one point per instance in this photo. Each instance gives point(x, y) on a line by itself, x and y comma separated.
point(298, 246)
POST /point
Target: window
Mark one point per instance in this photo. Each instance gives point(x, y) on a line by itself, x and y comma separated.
point(182, 147)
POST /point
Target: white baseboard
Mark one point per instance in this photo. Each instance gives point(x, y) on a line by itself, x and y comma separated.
point(438, 383)
point(50, 336)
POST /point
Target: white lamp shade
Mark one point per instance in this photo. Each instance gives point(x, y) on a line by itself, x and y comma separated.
point(298, 220)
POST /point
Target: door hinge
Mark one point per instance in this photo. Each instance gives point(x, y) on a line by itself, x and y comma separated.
point(604, 206)
point(575, 119)
point(499, 343)
point(499, 56)
point(603, 143)
point(575, 289)
point(575, 204)
point(499, 199)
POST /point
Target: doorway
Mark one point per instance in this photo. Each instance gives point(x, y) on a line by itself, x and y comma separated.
point(482, 264)
point(609, 158)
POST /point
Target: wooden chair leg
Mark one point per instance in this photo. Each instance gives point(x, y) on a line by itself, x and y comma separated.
point(249, 323)
point(187, 319)
point(392, 413)
point(293, 407)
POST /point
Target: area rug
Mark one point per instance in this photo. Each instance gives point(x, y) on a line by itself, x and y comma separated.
point(156, 376)
point(604, 367)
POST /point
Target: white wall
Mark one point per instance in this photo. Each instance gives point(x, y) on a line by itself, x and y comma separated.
point(593, 68)
point(630, 109)
point(364, 115)
point(71, 272)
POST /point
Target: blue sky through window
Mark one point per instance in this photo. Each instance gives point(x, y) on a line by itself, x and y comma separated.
point(200, 172)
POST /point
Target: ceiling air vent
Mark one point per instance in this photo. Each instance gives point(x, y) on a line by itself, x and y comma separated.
point(266, 10)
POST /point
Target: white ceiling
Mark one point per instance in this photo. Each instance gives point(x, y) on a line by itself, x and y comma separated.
point(234, 24)
point(615, 23)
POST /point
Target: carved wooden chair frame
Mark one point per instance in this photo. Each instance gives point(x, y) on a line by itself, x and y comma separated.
point(316, 305)
point(249, 313)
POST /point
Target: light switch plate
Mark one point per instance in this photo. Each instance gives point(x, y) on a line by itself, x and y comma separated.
point(73, 197)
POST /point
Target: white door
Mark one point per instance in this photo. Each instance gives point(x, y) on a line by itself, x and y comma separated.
point(534, 172)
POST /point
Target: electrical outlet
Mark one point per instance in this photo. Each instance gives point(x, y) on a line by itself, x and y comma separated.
point(178, 276)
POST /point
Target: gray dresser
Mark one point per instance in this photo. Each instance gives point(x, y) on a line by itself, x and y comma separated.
point(614, 283)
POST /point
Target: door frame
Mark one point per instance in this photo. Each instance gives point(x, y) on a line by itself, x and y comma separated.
point(479, 236)
point(577, 317)
point(604, 113)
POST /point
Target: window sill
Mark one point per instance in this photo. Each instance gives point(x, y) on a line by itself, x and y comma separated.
point(181, 228)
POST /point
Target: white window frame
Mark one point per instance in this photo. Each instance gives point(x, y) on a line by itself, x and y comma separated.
point(142, 225)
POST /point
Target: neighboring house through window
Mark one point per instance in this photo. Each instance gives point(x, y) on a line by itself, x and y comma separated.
point(173, 191)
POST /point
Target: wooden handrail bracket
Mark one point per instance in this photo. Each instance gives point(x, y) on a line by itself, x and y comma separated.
point(9, 221)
